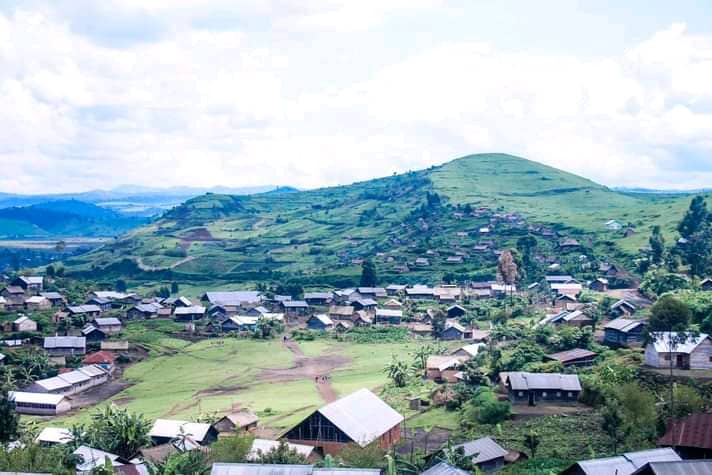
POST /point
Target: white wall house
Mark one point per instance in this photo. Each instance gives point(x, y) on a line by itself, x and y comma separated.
point(689, 353)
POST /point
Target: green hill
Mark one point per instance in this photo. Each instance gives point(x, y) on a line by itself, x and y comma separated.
point(319, 236)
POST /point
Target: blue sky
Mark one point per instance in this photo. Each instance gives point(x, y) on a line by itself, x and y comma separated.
point(311, 93)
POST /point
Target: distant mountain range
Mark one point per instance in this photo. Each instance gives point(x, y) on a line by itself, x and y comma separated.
point(99, 212)
point(624, 189)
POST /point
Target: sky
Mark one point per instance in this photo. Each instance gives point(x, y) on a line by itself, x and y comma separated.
point(313, 93)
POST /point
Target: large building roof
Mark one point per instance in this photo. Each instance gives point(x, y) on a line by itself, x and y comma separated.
point(682, 467)
point(65, 342)
point(485, 449)
point(36, 398)
point(625, 464)
point(694, 430)
point(168, 428)
point(677, 342)
point(233, 297)
point(623, 324)
point(362, 416)
point(522, 381)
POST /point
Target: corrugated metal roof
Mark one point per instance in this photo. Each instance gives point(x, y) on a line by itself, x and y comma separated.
point(234, 298)
point(36, 398)
point(443, 468)
point(485, 448)
point(678, 342)
point(571, 355)
point(92, 458)
point(74, 377)
point(623, 324)
point(193, 309)
point(385, 312)
point(522, 381)
point(683, 467)
point(168, 428)
point(262, 446)
point(627, 463)
point(694, 430)
point(55, 435)
point(53, 384)
point(259, 469)
point(362, 416)
point(107, 321)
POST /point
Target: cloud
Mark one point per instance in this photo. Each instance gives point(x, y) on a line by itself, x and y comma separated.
point(301, 93)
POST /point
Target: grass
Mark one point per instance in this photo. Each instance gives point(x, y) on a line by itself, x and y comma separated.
point(435, 417)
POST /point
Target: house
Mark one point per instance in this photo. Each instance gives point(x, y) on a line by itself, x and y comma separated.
point(372, 292)
point(336, 425)
point(318, 298)
point(320, 322)
point(70, 382)
point(14, 297)
point(622, 308)
point(37, 302)
point(570, 288)
point(189, 314)
point(442, 368)
point(609, 269)
point(625, 464)
point(687, 467)
point(103, 359)
point(3, 303)
point(390, 317)
point(274, 469)
point(89, 459)
point(393, 304)
point(241, 421)
point(624, 332)
point(2, 359)
point(114, 346)
point(263, 446)
point(453, 331)
point(343, 312)
point(453, 260)
point(559, 279)
point(295, 308)
point(569, 243)
point(542, 388)
point(681, 350)
point(613, 225)
point(575, 357)
point(455, 311)
point(343, 326)
point(88, 311)
point(65, 345)
point(30, 284)
point(706, 285)
point(421, 329)
point(447, 293)
point(599, 285)
point(166, 430)
point(395, 289)
point(480, 336)
point(564, 300)
point(54, 436)
point(93, 334)
point(364, 304)
point(103, 303)
point(24, 324)
point(174, 302)
point(256, 311)
point(468, 351)
point(361, 319)
point(239, 323)
point(420, 292)
point(144, 311)
point(577, 319)
point(109, 325)
point(485, 454)
point(691, 436)
point(444, 468)
point(39, 404)
point(422, 262)
point(55, 298)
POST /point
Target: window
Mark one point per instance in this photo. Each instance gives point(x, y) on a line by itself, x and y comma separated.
point(558, 393)
point(543, 394)
point(571, 394)
point(667, 357)
point(521, 393)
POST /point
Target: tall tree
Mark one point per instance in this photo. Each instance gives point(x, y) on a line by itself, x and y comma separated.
point(613, 424)
point(507, 271)
point(9, 419)
point(698, 251)
point(657, 245)
point(368, 274)
point(118, 431)
point(695, 217)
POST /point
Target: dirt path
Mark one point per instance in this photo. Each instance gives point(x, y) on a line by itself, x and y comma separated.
point(147, 268)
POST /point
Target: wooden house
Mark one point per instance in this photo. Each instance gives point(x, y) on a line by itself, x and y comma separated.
point(65, 345)
point(691, 436)
point(395, 289)
point(453, 331)
point(295, 308)
point(24, 324)
point(576, 318)
point(389, 317)
point(393, 304)
point(320, 322)
point(56, 299)
point(29, 284)
point(93, 334)
point(14, 297)
point(36, 303)
point(144, 311)
point(360, 418)
point(683, 350)
point(318, 298)
point(241, 421)
point(239, 323)
point(575, 357)
point(103, 303)
point(706, 285)
point(624, 332)
point(86, 312)
point(367, 304)
point(599, 285)
point(168, 430)
point(455, 311)
point(542, 388)
point(188, 314)
point(109, 325)
point(485, 454)
point(622, 308)
point(443, 368)
point(341, 312)
point(628, 463)
point(40, 404)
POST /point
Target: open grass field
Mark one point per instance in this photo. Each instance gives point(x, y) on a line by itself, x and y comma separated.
point(182, 379)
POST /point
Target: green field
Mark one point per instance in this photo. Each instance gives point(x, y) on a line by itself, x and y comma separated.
point(181, 379)
point(314, 236)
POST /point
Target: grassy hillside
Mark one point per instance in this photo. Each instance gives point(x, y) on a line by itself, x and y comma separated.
point(318, 236)
point(62, 219)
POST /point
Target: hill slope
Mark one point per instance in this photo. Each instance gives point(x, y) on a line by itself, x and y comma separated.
point(320, 235)
point(63, 219)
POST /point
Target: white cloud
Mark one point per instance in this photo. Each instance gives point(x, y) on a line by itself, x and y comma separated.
point(189, 105)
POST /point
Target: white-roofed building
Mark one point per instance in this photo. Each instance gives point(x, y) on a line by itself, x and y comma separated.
point(40, 404)
point(166, 430)
point(263, 446)
point(683, 350)
point(361, 418)
point(90, 458)
point(55, 436)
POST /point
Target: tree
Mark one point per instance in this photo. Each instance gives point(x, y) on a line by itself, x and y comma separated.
point(698, 251)
point(368, 274)
point(526, 246)
point(397, 371)
point(283, 454)
point(193, 462)
point(49, 271)
point(118, 431)
point(60, 247)
point(612, 423)
point(695, 217)
point(9, 419)
point(639, 413)
point(657, 245)
point(371, 456)
point(233, 449)
point(669, 315)
point(174, 288)
point(507, 269)
point(532, 441)
point(687, 401)
point(121, 285)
